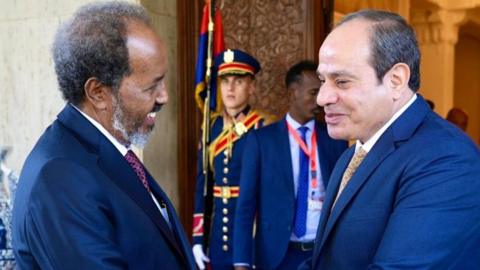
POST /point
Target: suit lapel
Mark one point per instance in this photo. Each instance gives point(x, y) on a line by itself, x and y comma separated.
point(180, 235)
point(118, 170)
point(322, 147)
point(329, 215)
point(376, 155)
point(331, 192)
point(115, 166)
point(285, 155)
point(401, 129)
point(182, 245)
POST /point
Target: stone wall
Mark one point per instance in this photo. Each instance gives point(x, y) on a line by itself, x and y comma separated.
point(29, 96)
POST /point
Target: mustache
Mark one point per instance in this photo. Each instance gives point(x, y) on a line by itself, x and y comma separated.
point(157, 107)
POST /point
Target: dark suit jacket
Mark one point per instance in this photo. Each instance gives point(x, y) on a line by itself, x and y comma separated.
point(267, 192)
point(79, 205)
point(413, 202)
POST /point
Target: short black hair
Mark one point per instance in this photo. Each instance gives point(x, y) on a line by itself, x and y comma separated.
point(430, 103)
point(392, 41)
point(93, 44)
point(294, 74)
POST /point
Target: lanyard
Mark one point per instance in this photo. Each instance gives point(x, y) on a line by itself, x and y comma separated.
point(311, 155)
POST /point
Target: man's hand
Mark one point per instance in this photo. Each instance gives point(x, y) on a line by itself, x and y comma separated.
point(200, 257)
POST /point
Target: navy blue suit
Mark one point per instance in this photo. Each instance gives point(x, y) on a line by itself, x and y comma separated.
point(79, 205)
point(267, 193)
point(413, 202)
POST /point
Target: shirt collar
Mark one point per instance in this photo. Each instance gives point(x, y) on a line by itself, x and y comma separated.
point(120, 147)
point(294, 124)
point(367, 146)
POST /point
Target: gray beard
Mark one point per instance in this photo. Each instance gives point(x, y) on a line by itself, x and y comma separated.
point(136, 138)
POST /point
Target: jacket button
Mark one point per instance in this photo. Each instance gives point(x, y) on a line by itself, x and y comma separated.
point(225, 238)
point(225, 170)
point(225, 229)
point(225, 180)
point(225, 248)
point(225, 219)
point(225, 211)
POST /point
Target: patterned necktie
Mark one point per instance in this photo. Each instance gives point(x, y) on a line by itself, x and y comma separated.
point(137, 166)
point(300, 225)
point(351, 168)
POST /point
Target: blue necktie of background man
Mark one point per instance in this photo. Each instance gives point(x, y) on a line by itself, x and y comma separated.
point(300, 225)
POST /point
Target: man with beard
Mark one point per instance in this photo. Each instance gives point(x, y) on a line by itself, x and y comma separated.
point(84, 200)
point(285, 171)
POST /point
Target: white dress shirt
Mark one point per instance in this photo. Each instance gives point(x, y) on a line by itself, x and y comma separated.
point(123, 150)
point(315, 195)
point(367, 146)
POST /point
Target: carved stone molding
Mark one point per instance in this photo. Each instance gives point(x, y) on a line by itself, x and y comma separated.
point(274, 33)
point(348, 6)
point(437, 26)
point(457, 4)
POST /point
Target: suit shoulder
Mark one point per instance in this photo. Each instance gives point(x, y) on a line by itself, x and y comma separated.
point(439, 134)
point(270, 129)
point(59, 170)
point(52, 177)
point(437, 143)
point(265, 118)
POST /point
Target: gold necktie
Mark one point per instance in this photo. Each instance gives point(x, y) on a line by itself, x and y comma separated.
point(351, 168)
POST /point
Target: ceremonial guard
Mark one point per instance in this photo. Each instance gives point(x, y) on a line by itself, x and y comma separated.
point(213, 240)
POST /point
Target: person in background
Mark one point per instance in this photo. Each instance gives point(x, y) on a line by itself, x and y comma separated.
point(285, 170)
point(430, 104)
point(236, 71)
point(84, 199)
point(405, 195)
point(458, 117)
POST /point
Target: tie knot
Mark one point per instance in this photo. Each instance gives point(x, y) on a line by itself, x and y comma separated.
point(137, 167)
point(357, 158)
point(132, 158)
point(303, 132)
point(351, 168)
point(360, 154)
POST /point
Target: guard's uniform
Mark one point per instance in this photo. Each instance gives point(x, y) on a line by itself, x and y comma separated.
point(225, 152)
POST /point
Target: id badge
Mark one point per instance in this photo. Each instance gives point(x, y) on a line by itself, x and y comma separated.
point(315, 205)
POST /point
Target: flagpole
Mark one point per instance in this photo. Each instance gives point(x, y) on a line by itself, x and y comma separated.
point(208, 184)
point(206, 106)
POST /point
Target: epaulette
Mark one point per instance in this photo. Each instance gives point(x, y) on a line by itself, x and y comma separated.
point(267, 119)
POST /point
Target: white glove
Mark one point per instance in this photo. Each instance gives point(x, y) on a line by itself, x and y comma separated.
point(200, 257)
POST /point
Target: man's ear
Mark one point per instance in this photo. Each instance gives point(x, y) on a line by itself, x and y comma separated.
point(397, 79)
point(291, 94)
point(97, 94)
